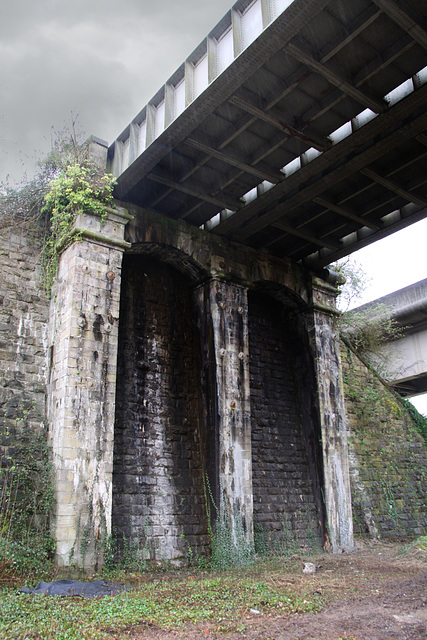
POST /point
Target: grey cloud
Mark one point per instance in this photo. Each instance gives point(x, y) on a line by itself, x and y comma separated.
point(101, 60)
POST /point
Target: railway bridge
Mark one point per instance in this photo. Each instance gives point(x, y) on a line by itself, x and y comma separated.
point(193, 346)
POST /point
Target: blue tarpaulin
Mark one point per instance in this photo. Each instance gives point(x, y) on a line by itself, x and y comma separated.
point(93, 589)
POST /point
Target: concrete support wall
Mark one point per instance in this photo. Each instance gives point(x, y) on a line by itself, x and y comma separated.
point(223, 310)
point(326, 348)
point(82, 386)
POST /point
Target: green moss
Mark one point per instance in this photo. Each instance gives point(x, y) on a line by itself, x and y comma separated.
point(388, 453)
point(419, 421)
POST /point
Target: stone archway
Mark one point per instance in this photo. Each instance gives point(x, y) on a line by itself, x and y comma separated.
point(192, 270)
point(286, 454)
point(160, 439)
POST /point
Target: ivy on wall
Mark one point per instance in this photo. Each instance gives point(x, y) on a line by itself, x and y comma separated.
point(67, 181)
point(388, 456)
point(420, 421)
point(81, 187)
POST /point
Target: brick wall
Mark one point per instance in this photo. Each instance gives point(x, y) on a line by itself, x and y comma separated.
point(284, 493)
point(23, 337)
point(159, 463)
point(161, 448)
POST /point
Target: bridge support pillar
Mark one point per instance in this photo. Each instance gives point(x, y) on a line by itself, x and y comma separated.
point(327, 356)
point(223, 311)
point(83, 327)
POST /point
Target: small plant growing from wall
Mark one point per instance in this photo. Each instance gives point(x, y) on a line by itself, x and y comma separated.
point(68, 181)
point(366, 330)
point(228, 548)
point(79, 187)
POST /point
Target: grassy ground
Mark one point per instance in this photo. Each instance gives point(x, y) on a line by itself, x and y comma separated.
point(203, 599)
point(204, 602)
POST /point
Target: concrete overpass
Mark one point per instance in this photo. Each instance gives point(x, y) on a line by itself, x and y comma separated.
point(406, 357)
point(294, 127)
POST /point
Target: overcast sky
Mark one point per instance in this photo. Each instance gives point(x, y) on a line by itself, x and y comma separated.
point(393, 263)
point(101, 61)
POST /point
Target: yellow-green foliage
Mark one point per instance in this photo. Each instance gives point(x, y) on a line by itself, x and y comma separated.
point(80, 187)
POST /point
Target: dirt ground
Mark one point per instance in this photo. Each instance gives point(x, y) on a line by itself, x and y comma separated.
point(378, 592)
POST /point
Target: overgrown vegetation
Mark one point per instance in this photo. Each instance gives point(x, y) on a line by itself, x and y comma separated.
point(67, 181)
point(384, 434)
point(26, 503)
point(367, 330)
point(80, 187)
point(241, 602)
point(419, 421)
point(356, 281)
point(204, 601)
point(21, 204)
point(229, 545)
point(384, 426)
point(283, 542)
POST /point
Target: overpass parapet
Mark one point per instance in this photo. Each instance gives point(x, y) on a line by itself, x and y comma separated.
point(407, 306)
point(404, 353)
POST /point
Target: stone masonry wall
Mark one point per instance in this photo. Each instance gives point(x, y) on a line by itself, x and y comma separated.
point(161, 450)
point(83, 336)
point(23, 337)
point(159, 459)
point(388, 457)
point(284, 501)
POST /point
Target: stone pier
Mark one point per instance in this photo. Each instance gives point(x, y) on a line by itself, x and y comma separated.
point(83, 327)
point(327, 356)
point(223, 309)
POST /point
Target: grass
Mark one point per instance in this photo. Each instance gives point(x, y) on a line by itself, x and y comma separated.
point(416, 548)
point(219, 601)
point(205, 601)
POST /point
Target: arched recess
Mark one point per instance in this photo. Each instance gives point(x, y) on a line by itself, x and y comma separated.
point(286, 449)
point(160, 440)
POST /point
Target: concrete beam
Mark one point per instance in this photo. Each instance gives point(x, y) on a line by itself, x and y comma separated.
point(402, 361)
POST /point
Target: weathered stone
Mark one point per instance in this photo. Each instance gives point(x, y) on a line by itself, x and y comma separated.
point(158, 422)
point(326, 349)
point(207, 359)
point(223, 312)
point(80, 407)
point(388, 458)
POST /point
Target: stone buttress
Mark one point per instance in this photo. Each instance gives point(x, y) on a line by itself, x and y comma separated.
point(223, 309)
point(83, 326)
point(321, 321)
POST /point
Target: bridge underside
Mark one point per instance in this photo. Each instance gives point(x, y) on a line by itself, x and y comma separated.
point(403, 359)
point(412, 387)
point(205, 364)
point(311, 144)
